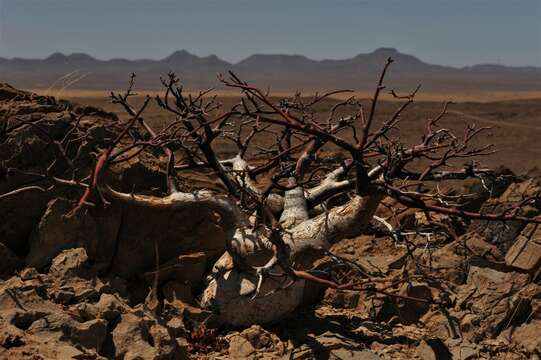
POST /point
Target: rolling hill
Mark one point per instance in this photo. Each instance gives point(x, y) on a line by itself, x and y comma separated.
point(280, 72)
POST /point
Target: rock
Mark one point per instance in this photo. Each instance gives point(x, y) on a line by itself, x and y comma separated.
point(440, 325)
point(177, 294)
point(487, 296)
point(140, 338)
point(375, 307)
point(179, 297)
point(447, 262)
point(527, 336)
point(176, 327)
point(71, 262)
point(140, 174)
point(27, 149)
point(112, 285)
point(55, 232)
point(229, 296)
point(433, 349)
point(380, 264)
point(109, 307)
point(69, 352)
point(90, 334)
point(56, 314)
point(476, 245)
point(341, 298)
point(188, 269)
point(10, 336)
point(163, 342)
point(24, 307)
point(503, 234)
point(19, 221)
point(182, 348)
point(240, 348)
point(83, 311)
point(83, 291)
point(17, 344)
point(491, 186)
point(63, 296)
point(8, 92)
point(469, 322)
point(29, 273)
point(259, 337)
point(333, 346)
point(131, 338)
point(22, 320)
point(195, 230)
point(10, 262)
point(410, 312)
point(76, 288)
point(525, 253)
point(17, 295)
point(465, 351)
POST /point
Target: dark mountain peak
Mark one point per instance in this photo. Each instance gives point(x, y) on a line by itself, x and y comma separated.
point(377, 58)
point(387, 51)
point(275, 60)
point(180, 56)
point(80, 57)
point(74, 59)
point(184, 59)
point(56, 57)
point(214, 60)
point(277, 57)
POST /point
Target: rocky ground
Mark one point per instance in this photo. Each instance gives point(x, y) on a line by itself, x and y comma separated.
point(93, 286)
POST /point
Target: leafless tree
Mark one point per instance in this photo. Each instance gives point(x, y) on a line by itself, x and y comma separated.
point(284, 204)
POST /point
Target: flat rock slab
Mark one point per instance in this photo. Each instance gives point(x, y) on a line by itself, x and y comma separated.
point(525, 253)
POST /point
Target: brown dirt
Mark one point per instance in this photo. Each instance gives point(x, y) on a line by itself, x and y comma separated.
point(516, 123)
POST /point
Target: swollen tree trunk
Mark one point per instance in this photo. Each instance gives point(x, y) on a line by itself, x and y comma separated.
point(231, 291)
point(243, 297)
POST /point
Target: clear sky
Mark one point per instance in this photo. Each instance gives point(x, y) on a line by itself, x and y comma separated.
point(453, 32)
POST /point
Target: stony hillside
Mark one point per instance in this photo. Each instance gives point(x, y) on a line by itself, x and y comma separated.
point(124, 282)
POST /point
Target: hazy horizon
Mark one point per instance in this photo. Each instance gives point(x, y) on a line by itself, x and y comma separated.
point(461, 33)
point(257, 54)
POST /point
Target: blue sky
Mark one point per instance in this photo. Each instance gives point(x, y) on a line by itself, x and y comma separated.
point(450, 32)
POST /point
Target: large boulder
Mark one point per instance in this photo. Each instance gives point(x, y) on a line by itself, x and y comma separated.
point(492, 186)
point(28, 149)
point(188, 269)
point(488, 300)
point(10, 262)
point(175, 232)
point(94, 230)
point(503, 234)
point(138, 337)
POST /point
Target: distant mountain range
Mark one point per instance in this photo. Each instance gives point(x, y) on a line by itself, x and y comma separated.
point(280, 72)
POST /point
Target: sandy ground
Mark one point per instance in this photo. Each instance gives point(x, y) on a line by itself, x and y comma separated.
point(515, 118)
point(464, 96)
